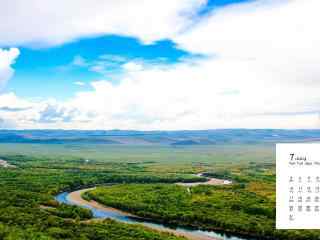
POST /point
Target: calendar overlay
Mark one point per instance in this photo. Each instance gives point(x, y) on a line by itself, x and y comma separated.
point(298, 186)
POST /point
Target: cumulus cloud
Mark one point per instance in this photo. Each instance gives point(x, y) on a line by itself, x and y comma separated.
point(202, 94)
point(186, 96)
point(12, 109)
point(37, 22)
point(277, 39)
point(20, 113)
point(260, 71)
point(53, 113)
point(79, 83)
point(79, 61)
point(7, 58)
point(16, 112)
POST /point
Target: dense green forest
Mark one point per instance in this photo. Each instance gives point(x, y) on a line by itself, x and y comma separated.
point(28, 209)
point(246, 207)
point(38, 172)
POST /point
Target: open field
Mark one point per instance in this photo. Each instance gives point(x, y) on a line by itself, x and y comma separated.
point(161, 158)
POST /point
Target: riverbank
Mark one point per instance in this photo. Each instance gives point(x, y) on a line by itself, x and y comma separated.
point(211, 181)
point(77, 199)
point(5, 164)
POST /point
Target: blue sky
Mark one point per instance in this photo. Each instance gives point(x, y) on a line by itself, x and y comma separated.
point(53, 73)
point(214, 4)
point(182, 64)
point(40, 71)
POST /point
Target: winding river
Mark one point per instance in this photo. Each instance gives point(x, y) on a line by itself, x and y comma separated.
point(101, 211)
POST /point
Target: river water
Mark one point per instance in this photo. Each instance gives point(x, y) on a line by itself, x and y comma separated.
point(119, 216)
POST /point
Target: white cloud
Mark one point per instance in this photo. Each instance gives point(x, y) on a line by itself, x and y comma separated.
point(7, 58)
point(186, 96)
point(79, 61)
point(199, 95)
point(16, 112)
point(25, 115)
point(37, 22)
point(108, 65)
point(132, 66)
point(278, 39)
point(12, 101)
point(261, 72)
point(79, 83)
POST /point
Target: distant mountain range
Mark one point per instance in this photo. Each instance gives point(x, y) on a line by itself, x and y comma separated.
point(174, 138)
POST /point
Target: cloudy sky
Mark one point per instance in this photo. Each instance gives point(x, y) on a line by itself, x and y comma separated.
point(170, 64)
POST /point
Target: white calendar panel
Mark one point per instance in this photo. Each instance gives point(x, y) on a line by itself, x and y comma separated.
point(298, 186)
